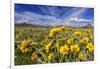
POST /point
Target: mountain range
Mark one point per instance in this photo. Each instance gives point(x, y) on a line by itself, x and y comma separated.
point(34, 25)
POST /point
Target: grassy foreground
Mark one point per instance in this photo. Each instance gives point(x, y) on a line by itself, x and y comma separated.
point(40, 45)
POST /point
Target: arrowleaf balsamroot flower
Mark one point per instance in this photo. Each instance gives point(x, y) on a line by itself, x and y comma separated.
point(24, 45)
point(64, 49)
point(33, 56)
point(47, 47)
point(51, 56)
point(90, 47)
point(17, 37)
point(77, 33)
point(57, 45)
point(81, 56)
point(55, 30)
point(69, 41)
point(74, 48)
point(85, 40)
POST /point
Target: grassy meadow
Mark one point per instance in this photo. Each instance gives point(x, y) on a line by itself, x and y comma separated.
point(41, 45)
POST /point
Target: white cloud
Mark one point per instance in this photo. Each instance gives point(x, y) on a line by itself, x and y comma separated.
point(79, 19)
point(72, 19)
point(37, 19)
point(75, 18)
point(31, 17)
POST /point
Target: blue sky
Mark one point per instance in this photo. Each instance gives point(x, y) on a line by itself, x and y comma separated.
point(53, 15)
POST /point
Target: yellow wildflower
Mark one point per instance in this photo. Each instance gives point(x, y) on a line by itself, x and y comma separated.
point(90, 47)
point(77, 33)
point(26, 50)
point(74, 48)
point(81, 56)
point(57, 45)
point(34, 56)
point(55, 30)
point(50, 57)
point(64, 50)
point(24, 45)
point(69, 41)
point(47, 47)
point(85, 40)
point(17, 37)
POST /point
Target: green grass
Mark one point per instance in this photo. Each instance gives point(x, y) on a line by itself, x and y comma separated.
point(40, 34)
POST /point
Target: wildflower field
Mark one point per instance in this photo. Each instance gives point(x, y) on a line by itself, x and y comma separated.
point(40, 45)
